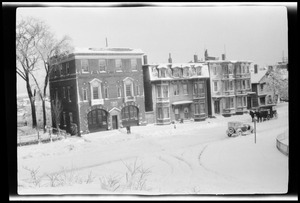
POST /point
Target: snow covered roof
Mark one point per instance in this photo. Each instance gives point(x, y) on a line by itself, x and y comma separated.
point(256, 77)
point(107, 50)
point(228, 61)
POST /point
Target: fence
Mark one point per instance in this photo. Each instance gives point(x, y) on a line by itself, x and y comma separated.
point(282, 143)
point(39, 137)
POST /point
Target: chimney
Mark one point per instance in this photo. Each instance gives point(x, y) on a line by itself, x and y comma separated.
point(170, 59)
point(195, 58)
point(255, 68)
point(223, 57)
point(145, 59)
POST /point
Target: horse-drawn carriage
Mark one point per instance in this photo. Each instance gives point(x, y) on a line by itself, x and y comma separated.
point(237, 128)
point(266, 112)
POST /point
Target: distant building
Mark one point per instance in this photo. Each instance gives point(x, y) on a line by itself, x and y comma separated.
point(176, 91)
point(100, 88)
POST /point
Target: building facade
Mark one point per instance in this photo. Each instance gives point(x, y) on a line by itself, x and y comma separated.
point(99, 89)
point(263, 95)
point(230, 86)
point(176, 92)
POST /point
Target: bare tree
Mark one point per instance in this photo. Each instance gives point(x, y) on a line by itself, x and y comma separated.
point(50, 47)
point(277, 83)
point(56, 108)
point(28, 34)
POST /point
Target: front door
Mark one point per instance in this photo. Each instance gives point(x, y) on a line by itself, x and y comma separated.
point(249, 102)
point(217, 106)
point(115, 122)
point(186, 113)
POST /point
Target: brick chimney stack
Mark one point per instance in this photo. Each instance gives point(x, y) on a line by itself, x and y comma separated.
point(195, 58)
point(170, 59)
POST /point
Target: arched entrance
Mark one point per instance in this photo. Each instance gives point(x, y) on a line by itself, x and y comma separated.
point(97, 120)
point(130, 115)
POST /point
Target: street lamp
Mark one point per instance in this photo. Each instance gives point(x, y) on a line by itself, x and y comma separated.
point(255, 130)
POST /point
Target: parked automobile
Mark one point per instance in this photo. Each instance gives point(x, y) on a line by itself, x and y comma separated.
point(237, 128)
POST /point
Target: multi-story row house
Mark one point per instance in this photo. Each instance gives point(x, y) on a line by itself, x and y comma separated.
point(175, 91)
point(99, 89)
point(230, 86)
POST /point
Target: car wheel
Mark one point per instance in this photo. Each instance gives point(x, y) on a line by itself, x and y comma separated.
point(239, 132)
point(230, 130)
point(229, 135)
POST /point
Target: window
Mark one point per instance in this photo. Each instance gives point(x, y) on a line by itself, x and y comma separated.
point(128, 87)
point(68, 94)
point(226, 85)
point(59, 70)
point(247, 69)
point(96, 93)
point(85, 65)
point(95, 86)
point(176, 89)
point(137, 89)
point(215, 70)
point(226, 69)
point(248, 84)
point(163, 112)
point(165, 91)
point(119, 92)
point(118, 64)
point(197, 108)
point(102, 64)
point(185, 88)
point(84, 94)
point(231, 102)
point(186, 72)
point(162, 91)
point(244, 84)
point(239, 101)
point(128, 90)
point(270, 101)
point(238, 85)
point(162, 73)
point(105, 92)
point(262, 101)
point(71, 117)
point(198, 71)
point(261, 87)
point(201, 88)
point(215, 86)
point(195, 88)
point(230, 69)
point(159, 91)
point(64, 92)
point(133, 64)
point(230, 85)
point(245, 101)
point(202, 108)
point(67, 68)
point(64, 119)
point(238, 69)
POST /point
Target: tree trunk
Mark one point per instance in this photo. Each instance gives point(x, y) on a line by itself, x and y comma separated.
point(44, 115)
point(32, 104)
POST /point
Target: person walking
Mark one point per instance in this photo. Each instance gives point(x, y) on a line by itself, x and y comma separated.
point(252, 115)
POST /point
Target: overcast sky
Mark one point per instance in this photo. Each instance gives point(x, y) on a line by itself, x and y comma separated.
point(255, 33)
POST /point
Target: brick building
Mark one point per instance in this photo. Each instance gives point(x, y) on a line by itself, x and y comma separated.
point(99, 89)
point(175, 91)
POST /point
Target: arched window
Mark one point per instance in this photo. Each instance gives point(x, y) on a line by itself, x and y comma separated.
point(128, 87)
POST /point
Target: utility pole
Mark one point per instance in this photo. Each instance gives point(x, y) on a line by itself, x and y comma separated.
point(106, 42)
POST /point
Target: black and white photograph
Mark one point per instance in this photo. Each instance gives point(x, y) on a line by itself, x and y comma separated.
point(150, 100)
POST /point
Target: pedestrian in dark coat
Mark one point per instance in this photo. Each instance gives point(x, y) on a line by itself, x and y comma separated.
point(257, 113)
point(252, 115)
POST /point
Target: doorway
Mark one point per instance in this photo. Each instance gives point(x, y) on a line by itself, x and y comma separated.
point(217, 106)
point(115, 122)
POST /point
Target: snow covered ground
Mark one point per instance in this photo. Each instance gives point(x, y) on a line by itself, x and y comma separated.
point(194, 158)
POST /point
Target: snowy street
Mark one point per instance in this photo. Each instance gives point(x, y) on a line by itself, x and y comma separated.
point(194, 158)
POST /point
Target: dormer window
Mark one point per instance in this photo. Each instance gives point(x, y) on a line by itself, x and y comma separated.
point(163, 73)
